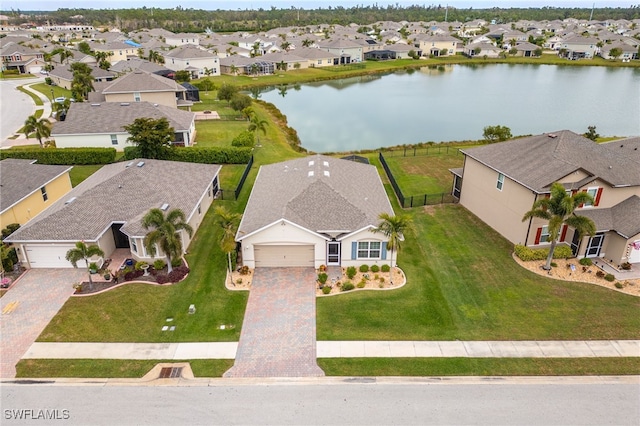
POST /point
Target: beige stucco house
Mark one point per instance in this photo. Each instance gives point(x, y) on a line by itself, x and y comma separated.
point(198, 61)
point(500, 182)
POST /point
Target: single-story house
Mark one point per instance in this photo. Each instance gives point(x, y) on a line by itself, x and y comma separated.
point(314, 211)
point(106, 209)
point(102, 124)
point(500, 182)
point(29, 188)
point(63, 76)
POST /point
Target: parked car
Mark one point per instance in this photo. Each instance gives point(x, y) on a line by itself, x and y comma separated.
point(59, 100)
point(43, 72)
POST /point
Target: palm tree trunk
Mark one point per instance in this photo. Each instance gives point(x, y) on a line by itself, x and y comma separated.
point(547, 266)
point(230, 278)
point(391, 269)
point(90, 280)
point(169, 267)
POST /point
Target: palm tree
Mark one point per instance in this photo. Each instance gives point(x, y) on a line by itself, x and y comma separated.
point(165, 233)
point(255, 49)
point(307, 42)
point(234, 69)
point(559, 209)
point(393, 227)
point(39, 127)
point(285, 45)
point(256, 124)
point(229, 222)
point(61, 108)
point(83, 252)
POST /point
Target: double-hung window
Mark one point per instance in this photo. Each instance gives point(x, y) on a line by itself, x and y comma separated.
point(544, 235)
point(43, 191)
point(500, 182)
point(368, 249)
point(593, 192)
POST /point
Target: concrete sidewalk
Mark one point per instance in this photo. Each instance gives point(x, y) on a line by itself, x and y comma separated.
point(348, 349)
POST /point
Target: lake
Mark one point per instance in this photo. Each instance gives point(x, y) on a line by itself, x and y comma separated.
point(456, 102)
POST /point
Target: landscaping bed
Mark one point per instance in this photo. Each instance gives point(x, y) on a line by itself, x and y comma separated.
point(352, 279)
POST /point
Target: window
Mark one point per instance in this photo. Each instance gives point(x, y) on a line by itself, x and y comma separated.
point(199, 210)
point(500, 182)
point(593, 192)
point(544, 235)
point(134, 246)
point(114, 140)
point(368, 249)
point(136, 96)
point(43, 190)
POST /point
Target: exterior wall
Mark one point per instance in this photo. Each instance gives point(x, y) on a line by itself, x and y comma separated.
point(107, 243)
point(161, 98)
point(616, 248)
point(92, 140)
point(354, 52)
point(177, 64)
point(612, 196)
point(33, 204)
point(179, 41)
point(303, 64)
point(346, 253)
point(61, 82)
point(502, 210)
point(119, 54)
point(428, 46)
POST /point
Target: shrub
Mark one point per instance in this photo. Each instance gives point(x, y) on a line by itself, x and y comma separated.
point(322, 277)
point(139, 265)
point(64, 156)
point(585, 261)
point(381, 280)
point(600, 274)
point(375, 268)
point(239, 281)
point(554, 265)
point(362, 283)
point(178, 274)
point(245, 138)
point(162, 279)
point(322, 268)
point(618, 285)
point(626, 266)
point(385, 268)
point(610, 277)
point(212, 155)
point(527, 254)
point(326, 290)
point(347, 286)
point(364, 268)
point(159, 264)
point(351, 272)
point(176, 262)
point(244, 270)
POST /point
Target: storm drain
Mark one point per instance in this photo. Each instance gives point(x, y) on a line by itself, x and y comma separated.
point(170, 372)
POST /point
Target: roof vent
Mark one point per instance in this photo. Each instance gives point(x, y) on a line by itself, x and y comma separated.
point(552, 135)
point(140, 164)
point(326, 173)
point(310, 173)
point(164, 207)
point(129, 165)
point(96, 105)
point(155, 105)
point(311, 163)
point(124, 104)
point(70, 200)
point(326, 163)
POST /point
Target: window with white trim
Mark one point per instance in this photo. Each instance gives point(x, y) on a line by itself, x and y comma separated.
point(593, 192)
point(500, 182)
point(369, 249)
point(136, 96)
point(114, 140)
point(544, 235)
point(134, 246)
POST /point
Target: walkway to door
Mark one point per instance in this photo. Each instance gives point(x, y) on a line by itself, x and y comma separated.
point(278, 337)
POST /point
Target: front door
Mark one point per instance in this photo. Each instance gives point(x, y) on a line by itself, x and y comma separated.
point(333, 253)
point(595, 244)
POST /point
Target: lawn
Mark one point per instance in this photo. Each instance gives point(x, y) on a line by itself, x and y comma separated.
point(218, 133)
point(80, 173)
point(425, 174)
point(45, 89)
point(35, 98)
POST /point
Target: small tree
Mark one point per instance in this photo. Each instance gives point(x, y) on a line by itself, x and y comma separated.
point(257, 125)
point(226, 92)
point(240, 101)
point(152, 137)
point(443, 52)
point(591, 133)
point(615, 53)
point(165, 233)
point(393, 227)
point(206, 84)
point(84, 47)
point(40, 127)
point(497, 133)
point(61, 108)
point(229, 223)
point(182, 76)
point(83, 252)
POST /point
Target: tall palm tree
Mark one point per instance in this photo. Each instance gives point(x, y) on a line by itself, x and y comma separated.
point(165, 233)
point(307, 42)
point(393, 227)
point(83, 252)
point(61, 108)
point(559, 209)
point(255, 49)
point(234, 69)
point(256, 124)
point(229, 223)
point(39, 127)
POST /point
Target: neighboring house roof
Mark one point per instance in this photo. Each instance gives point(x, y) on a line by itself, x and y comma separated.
point(22, 177)
point(338, 44)
point(538, 161)
point(311, 53)
point(629, 148)
point(277, 57)
point(120, 192)
point(622, 218)
point(133, 64)
point(188, 51)
point(111, 117)
point(140, 81)
point(238, 61)
point(11, 49)
point(65, 73)
point(526, 46)
point(319, 193)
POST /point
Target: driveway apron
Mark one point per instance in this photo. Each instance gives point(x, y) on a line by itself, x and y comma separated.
point(28, 307)
point(278, 337)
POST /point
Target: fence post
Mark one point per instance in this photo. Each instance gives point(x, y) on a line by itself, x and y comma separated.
point(414, 152)
point(404, 154)
point(425, 199)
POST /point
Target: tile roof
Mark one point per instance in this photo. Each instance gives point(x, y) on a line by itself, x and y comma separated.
point(622, 218)
point(343, 195)
point(22, 177)
point(140, 81)
point(538, 161)
point(120, 193)
point(111, 117)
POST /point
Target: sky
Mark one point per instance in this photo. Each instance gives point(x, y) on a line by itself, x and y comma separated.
point(284, 4)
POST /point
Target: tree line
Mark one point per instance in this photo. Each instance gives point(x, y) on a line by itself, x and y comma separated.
point(197, 20)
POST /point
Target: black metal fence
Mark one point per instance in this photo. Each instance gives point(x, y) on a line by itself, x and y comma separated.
point(233, 194)
point(415, 200)
point(428, 150)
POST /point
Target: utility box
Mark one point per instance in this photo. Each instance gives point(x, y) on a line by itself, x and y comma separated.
point(192, 309)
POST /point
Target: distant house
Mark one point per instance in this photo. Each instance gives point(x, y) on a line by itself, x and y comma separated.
point(181, 39)
point(579, 47)
point(198, 61)
point(317, 58)
point(629, 52)
point(116, 50)
point(102, 124)
point(25, 60)
point(346, 51)
point(526, 49)
point(29, 188)
point(242, 65)
point(501, 181)
point(106, 209)
point(285, 60)
point(286, 222)
point(133, 64)
point(482, 49)
point(437, 45)
point(63, 76)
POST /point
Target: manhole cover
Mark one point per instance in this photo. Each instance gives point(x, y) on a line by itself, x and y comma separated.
point(170, 372)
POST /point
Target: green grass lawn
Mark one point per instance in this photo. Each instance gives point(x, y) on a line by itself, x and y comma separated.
point(218, 133)
point(426, 174)
point(45, 89)
point(35, 98)
point(80, 173)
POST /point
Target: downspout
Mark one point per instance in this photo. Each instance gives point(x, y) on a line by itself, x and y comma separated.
point(526, 238)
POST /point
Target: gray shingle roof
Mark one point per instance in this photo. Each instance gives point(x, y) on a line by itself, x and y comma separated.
point(188, 51)
point(349, 198)
point(622, 218)
point(22, 177)
point(538, 161)
point(111, 117)
point(65, 73)
point(117, 193)
point(137, 63)
point(629, 148)
point(140, 81)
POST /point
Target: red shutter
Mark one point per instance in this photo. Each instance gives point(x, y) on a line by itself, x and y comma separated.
point(573, 192)
point(598, 194)
point(538, 234)
point(564, 232)
point(582, 205)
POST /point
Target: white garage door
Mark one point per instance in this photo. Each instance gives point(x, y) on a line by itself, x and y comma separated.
point(634, 256)
point(48, 256)
point(283, 256)
point(35, 69)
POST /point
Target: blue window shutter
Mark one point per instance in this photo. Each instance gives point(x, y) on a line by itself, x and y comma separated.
point(384, 250)
point(354, 250)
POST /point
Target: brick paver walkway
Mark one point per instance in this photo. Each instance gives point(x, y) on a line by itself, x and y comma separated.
point(28, 307)
point(278, 337)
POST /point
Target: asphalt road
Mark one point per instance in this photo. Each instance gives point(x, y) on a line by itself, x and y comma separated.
point(536, 401)
point(15, 106)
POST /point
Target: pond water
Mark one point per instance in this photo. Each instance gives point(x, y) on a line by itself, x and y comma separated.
point(456, 102)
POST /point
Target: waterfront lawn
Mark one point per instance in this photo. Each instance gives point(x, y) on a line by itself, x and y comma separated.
point(218, 133)
point(464, 285)
point(426, 174)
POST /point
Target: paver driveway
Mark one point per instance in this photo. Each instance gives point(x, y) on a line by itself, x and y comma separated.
point(28, 307)
point(278, 337)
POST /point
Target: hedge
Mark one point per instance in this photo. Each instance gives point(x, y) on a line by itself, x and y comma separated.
point(244, 138)
point(63, 156)
point(526, 253)
point(200, 155)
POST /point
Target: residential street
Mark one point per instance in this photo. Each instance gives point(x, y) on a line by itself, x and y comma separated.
point(367, 401)
point(15, 106)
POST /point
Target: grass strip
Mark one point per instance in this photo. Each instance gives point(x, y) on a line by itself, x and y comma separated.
point(36, 99)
